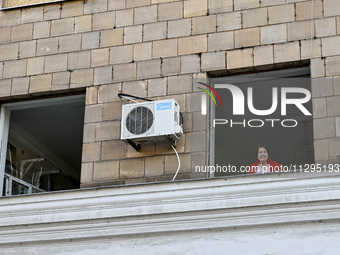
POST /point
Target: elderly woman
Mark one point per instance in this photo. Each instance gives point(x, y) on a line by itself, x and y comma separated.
point(264, 164)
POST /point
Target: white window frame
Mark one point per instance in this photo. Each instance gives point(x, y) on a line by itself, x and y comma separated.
point(8, 182)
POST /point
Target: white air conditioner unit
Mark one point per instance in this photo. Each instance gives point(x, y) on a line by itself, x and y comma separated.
point(151, 121)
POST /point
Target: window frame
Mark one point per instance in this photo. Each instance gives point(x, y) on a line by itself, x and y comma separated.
point(211, 107)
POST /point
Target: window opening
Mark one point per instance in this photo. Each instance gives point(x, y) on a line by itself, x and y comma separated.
point(236, 136)
point(44, 145)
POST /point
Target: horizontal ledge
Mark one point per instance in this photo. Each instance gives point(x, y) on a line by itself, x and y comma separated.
point(199, 221)
point(214, 194)
point(176, 186)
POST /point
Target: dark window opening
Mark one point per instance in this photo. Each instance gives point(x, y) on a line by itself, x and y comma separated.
point(44, 146)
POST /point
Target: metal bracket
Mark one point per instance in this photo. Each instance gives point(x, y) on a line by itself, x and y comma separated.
point(170, 140)
point(134, 145)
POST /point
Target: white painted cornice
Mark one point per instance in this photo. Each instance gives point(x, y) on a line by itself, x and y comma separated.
point(170, 207)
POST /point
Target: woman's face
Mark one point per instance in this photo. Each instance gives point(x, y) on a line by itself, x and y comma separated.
point(262, 154)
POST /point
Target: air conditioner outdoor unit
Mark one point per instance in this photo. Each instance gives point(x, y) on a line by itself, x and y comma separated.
point(151, 121)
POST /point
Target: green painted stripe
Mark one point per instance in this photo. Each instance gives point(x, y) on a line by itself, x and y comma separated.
point(209, 94)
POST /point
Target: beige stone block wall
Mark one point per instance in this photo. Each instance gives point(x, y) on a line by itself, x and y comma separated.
point(100, 57)
point(157, 87)
point(219, 6)
point(194, 8)
point(133, 34)
point(5, 90)
point(164, 48)
point(121, 54)
point(281, 13)
point(325, 27)
point(190, 64)
point(78, 60)
point(273, 34)
point(124, 72)
point(149, 69)
point(41, 30)
point(1, 69)
point(240, 58)
point(246, 4)
point(254, 17)
point(147, 14)
point(22, 32)
point(329, 46)
point(9, 51)
point(90, 40)
point(102, 21)
point(92, 6)
point(310, 49)
point(83, 24)
point(61, 81)
point(62, 27)
point(229, 21)
point(193, 44)
point(81, 78)
point(32, 14)
point(40, 83)
point(27, 49)
point(213, 61)
point(137, 88)
point(124, 18)
point(154, 31)
point(317, 67)
point(204, 25)
point(170, 11)
point(220, 41)
point(5, 35)
point(304, 10)
point(47, 46)
point(15, 68)
point(247, 37)
point(142, 51)
point(171, 66)
point(111, 37)
point(331, 8)
point(105, 170)
point(69, 43)
point(286, 52)
point(56, 63)
point(159, 49)
point(300, 30)
point(263, 55)
point(19, 86)
point(74, 9)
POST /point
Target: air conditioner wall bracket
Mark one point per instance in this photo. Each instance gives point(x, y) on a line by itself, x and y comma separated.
point(134, 145)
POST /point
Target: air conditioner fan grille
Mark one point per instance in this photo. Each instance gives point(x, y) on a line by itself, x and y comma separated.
point(139, 120)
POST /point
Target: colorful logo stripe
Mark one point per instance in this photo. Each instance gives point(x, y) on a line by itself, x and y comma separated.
point(212, 89)
point(208, 94)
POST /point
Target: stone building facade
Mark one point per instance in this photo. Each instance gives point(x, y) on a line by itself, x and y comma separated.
point(159, 49)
